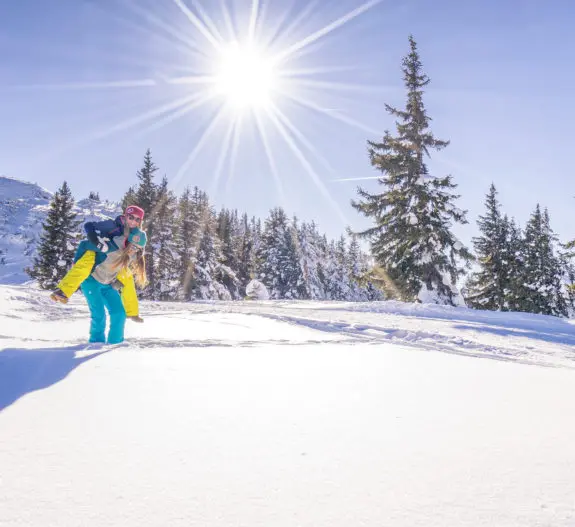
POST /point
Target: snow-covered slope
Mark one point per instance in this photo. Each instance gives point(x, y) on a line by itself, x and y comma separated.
point(23, 208)
point(258, 414)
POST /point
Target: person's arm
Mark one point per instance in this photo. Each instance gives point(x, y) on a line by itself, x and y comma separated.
point(97, 230)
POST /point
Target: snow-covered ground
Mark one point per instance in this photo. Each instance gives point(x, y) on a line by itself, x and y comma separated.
point(286, 414)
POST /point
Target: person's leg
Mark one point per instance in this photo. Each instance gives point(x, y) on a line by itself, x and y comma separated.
point(92, 291)
point(117, 314)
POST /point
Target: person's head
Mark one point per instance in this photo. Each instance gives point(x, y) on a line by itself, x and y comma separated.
point(134, 216)
point(133, 255)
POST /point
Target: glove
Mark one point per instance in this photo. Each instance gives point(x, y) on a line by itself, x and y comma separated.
point(102, 245)
point(137, 319)
point(117, 285)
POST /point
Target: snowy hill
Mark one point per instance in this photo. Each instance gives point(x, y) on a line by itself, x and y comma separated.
point(23, 208)
point(316, 414)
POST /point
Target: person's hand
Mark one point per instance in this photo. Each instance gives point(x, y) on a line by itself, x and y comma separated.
point(137, 319)
point(102, 245)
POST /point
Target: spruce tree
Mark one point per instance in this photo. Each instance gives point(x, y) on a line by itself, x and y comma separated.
point(206, 281)
point(246, 269)
point(539, 279)
point(567, 256)
point(338, 285)
point(199, 217)
point(184, 236)
point(145, 195)
point(279, 269)
point(488, 286)
point(228, 234)
point(166, 257)
point(414, 213)
point(58, 240)
point(310, 260)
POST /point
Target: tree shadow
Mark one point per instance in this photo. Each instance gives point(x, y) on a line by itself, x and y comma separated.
point(23, 371)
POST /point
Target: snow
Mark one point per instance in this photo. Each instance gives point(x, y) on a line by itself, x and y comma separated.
point(286, 413)
point(23, 208)
point(255, 290)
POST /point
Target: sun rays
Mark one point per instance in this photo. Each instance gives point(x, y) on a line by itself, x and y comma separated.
point(248, 69)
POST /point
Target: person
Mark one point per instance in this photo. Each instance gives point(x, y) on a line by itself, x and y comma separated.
point(101, 235)
point(119, 267)
point(99, 232)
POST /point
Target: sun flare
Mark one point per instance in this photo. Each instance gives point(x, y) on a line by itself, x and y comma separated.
point(245, 77)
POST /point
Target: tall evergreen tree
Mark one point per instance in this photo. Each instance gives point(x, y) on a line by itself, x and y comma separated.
point(58, 240)
point(146, 195)
point(246, 252)
point(200, 215)
point(310, 261)
point(228, 234)
point(338, 285)
point(279, 270)
point(412, 238)
point(567, 256)
point(540, 285)
point(185, 243)
point(489, 285)
point(166, 257)
point(209, 274)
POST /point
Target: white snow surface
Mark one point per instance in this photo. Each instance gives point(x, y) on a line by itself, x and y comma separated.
point(285, 414)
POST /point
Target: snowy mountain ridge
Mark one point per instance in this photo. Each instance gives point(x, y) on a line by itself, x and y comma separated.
point(23, 209)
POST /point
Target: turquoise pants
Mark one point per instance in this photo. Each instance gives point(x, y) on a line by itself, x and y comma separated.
point(101, 297)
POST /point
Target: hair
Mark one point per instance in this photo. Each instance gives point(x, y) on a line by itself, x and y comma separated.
point(137, 266)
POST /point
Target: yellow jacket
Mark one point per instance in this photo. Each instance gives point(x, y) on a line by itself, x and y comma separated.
point(82, 269)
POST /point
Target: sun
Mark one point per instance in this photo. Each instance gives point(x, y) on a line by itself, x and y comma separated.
point(245, 77)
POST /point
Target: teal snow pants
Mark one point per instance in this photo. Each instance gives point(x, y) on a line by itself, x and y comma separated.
point(102, 297)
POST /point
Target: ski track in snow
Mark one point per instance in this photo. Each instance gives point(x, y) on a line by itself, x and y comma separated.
point(515, 337)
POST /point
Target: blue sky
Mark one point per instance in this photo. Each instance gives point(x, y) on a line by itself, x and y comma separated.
point(500, 92)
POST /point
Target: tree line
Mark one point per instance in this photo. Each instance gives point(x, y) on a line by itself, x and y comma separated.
point(198, 253)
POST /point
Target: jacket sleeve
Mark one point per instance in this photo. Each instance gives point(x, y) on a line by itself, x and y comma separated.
point(98, 228)
point(77, 274)
point(129, 295)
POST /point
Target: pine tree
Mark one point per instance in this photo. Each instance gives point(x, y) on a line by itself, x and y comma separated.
point(145, 195)
point(567, 259)
point(58, 240)
point(208, 271)
point(414, 213)
point(199, 216)
point(310, 261)
point(487, 287)
point(540, 287)
point(246, 254)
point(279, 269)
point(228, 234)
point(185, 232)
point(94, 196)
point(338, 286)
point(166, 257)
point(358, 271)
point(129, 198)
